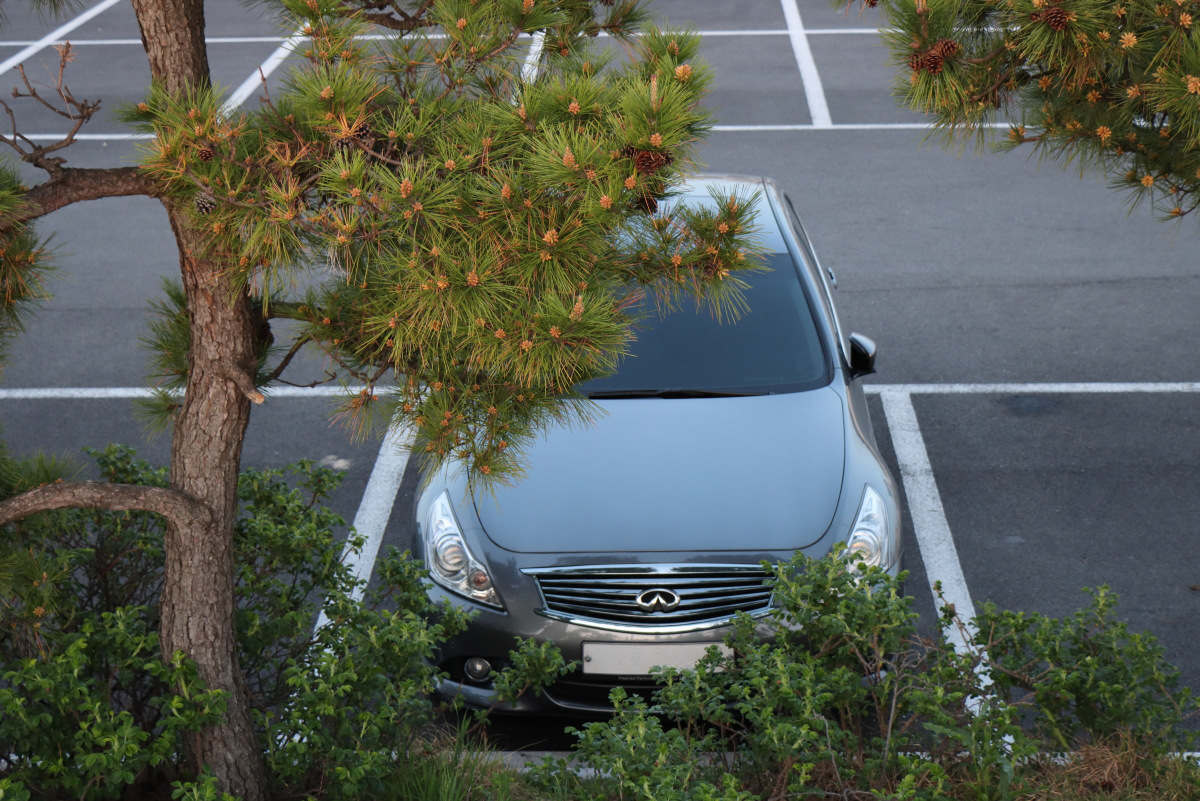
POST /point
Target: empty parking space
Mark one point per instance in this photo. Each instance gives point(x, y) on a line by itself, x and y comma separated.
point(856, 75)
point(284, 431)
point(719, 16)
point(756, 84)
point(1050, 493)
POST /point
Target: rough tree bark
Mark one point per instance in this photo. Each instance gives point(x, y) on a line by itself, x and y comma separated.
point(101, 495)
point(197, 603)
point(74, 185)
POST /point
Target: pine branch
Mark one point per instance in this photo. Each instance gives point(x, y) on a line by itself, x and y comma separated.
point(80, 112)
point(394, 18)
point(244, 382)
point(73, 185)
point(285, 361)
point(179, 509)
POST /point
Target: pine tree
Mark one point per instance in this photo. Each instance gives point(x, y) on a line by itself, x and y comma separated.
point(484, 230)
point(1109, 84)
point(464, 242)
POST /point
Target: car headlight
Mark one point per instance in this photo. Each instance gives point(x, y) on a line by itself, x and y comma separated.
point(449, 559)
point(871, 536)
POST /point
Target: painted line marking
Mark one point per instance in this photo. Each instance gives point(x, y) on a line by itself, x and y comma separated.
point(818, 109)
point(529, 69)
point(929, 517)
point(56, 35)
point(255, 81)
point(844, 126)
point(379, 37)
point(87, 137)
point(259, 76)
point(1097, 388)
point(110, 393)
point(120, 42)
point(376, 506)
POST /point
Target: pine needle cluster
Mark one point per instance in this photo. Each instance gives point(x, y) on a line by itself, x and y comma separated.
point(1108, 84)
point(26, 261)
point(464, 242)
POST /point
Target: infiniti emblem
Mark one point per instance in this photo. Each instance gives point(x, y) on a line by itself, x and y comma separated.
point(658, 600)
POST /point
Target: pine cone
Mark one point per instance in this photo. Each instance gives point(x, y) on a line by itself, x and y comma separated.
point(916, 62)
point(933, 62)
point(870, 3)
point(366, 137)
point(1055, 18)
point(948, 48)
point(205, 154)
point(205, 202)
point(647, 162)
point(356, 139)
point(647, 203)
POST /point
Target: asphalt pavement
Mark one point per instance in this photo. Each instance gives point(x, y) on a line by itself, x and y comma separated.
point(966, 269)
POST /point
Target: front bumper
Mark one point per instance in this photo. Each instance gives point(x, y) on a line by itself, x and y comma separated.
point(492, 634)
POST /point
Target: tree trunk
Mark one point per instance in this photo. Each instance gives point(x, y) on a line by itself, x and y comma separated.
point(173, 35)
point(197, 603)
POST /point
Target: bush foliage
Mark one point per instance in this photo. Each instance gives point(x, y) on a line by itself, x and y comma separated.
point(91, 709)
point(846, 701)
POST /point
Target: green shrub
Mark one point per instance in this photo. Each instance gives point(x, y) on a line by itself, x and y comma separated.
point(92, 710)
point(1087, 676)
point(835, 695)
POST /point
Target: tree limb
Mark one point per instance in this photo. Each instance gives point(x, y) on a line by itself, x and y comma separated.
point(76, 184)
point(291, 354)
point(244, 382)
point(387, 19)
point(178, 508)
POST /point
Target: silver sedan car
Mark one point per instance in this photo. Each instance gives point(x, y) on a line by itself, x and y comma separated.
point(632, 543)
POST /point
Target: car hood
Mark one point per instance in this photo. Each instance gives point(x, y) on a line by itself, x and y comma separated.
point(698, 474)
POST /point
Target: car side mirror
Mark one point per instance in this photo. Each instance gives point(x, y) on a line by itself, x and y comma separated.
point(862, 355)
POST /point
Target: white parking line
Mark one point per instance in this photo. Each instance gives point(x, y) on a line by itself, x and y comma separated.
point(925, 506)
point(818, 109)
point(255, 81)
point(843, 126)
point(122, 42)
point(265, 39)
point(327, 391)
point(86, 137)
point(1098, 388)
point(55, 35)
point(529, 69)
point(376, 506)
point(110, 393)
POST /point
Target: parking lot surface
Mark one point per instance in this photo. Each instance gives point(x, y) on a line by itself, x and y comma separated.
point(966, 270)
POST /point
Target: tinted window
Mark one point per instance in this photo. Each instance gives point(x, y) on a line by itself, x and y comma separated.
point(773, 347)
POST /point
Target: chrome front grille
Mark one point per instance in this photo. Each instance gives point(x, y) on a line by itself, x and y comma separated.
point(607, 597)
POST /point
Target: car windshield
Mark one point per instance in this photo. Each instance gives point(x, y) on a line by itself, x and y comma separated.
point(772, 348)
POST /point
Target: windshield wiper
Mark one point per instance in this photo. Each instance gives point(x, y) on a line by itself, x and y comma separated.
point(668, 393)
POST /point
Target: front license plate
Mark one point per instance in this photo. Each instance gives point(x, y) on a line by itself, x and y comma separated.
point(637, 659)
